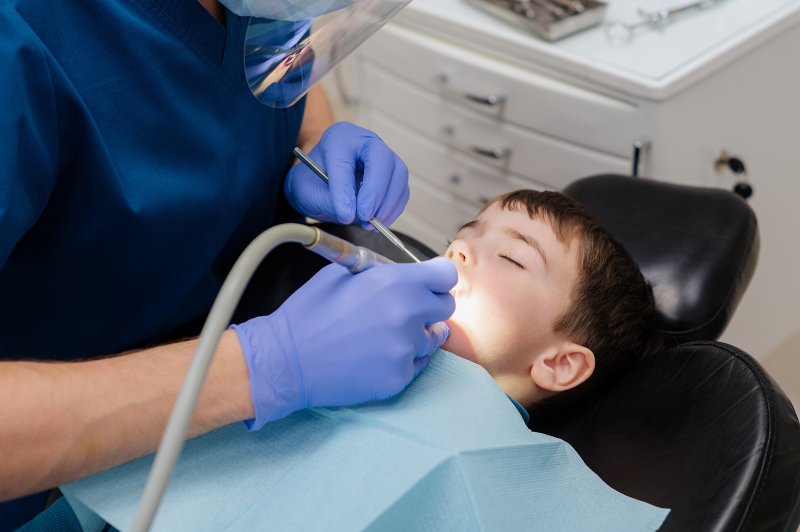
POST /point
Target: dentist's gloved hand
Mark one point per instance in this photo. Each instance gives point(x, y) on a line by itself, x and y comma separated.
point(343, 339)
point(343, 151)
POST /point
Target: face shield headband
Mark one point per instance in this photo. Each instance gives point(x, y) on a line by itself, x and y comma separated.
point(284, 57)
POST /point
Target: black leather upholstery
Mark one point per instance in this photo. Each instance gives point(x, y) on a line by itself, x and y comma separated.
point(700, 429)
point(697, 246)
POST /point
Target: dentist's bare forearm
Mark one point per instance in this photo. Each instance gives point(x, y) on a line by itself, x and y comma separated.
point(63, 421)
point(317, 117)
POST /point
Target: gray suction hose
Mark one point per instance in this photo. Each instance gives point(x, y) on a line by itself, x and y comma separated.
point(353, 257)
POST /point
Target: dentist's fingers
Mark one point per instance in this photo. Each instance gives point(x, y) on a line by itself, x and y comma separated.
point(438, 275)
point(307, 193)
point(340, 165)
point(440, 310)
point(379, 168)
point(393, 216)
point(401, 206)
point(439, 333)
point(396, 196)
point(420, 364)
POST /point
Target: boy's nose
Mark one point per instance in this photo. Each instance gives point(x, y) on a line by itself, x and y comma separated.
point(458, 252)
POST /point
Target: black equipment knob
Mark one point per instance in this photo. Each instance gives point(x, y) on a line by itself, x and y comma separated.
point(736, 165)
point(743, 189)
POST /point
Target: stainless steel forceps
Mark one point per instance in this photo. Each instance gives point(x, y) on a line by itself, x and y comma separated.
point(622, 32)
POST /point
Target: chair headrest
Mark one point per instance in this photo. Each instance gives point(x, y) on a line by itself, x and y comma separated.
point(701, 429)
point(696, 246)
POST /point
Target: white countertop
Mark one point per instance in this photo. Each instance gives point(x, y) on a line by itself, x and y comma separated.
point(655, 65)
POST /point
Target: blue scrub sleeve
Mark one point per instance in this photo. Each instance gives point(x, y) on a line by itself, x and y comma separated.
point(29, 143)
point(59, 517)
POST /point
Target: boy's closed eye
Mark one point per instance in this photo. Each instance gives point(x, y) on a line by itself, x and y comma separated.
point(511, 260)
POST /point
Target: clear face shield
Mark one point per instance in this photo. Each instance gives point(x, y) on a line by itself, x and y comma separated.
point(292, 44)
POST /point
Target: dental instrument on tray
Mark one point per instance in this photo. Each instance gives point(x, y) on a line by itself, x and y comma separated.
point(622, 32)
point(353, 257)
point(382, 229)
point(549, 19)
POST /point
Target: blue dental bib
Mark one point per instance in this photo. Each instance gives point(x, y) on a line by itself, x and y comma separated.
point(449, 453)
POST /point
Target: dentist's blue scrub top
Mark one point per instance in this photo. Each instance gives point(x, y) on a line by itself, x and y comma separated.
point(135, 166)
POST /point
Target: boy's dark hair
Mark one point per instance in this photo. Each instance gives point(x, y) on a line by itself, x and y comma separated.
point(611, 309)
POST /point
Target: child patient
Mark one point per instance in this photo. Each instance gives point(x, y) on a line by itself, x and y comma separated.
point(546, 301)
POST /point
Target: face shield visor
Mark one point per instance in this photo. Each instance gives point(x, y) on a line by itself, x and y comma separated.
point(292, 44)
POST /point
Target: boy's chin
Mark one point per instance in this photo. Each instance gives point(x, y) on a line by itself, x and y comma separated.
point(447, 347)
point(451, 342)
point(455, 346)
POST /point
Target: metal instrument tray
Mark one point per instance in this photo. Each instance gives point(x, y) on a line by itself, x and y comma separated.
point(549, 19)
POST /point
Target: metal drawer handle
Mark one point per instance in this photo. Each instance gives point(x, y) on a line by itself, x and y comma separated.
point(456, 191)
point(639, 145)
point(490, 100)
point(496, 155)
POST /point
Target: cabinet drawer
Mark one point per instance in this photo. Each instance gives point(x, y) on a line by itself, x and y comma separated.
point(412, 226)
point(442, 211)
point(505, 91)
point(457, 174)
point(503, 146)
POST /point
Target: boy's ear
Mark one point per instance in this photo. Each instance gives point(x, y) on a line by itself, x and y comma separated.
point(564, 368)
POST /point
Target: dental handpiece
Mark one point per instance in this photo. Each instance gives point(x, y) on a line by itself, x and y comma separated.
point(354, 258)
point(377, 224)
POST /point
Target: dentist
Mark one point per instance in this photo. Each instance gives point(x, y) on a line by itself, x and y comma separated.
point(136, 166)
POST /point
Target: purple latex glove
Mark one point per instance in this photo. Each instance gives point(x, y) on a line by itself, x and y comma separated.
point(343, 339)
point(344, 151)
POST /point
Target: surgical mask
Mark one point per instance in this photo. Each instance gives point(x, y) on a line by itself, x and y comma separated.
point(292, 44)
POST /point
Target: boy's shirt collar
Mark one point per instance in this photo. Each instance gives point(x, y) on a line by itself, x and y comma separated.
point(520, 409)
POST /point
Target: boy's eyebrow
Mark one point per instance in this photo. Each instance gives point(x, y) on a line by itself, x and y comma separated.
point(473, 223)
point(532, 242)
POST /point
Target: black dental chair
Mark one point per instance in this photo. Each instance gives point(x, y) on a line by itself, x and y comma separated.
point(701, 428)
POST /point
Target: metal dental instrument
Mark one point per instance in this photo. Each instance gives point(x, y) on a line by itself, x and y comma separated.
point(550, 7)
point(574, 5)
point(621, 32)
point(382, 229)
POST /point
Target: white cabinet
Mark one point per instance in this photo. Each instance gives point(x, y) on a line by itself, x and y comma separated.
point(477, 108)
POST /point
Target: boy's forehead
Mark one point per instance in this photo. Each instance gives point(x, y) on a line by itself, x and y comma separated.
point(489, 210)
point(495, 212)
point(540, 226)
